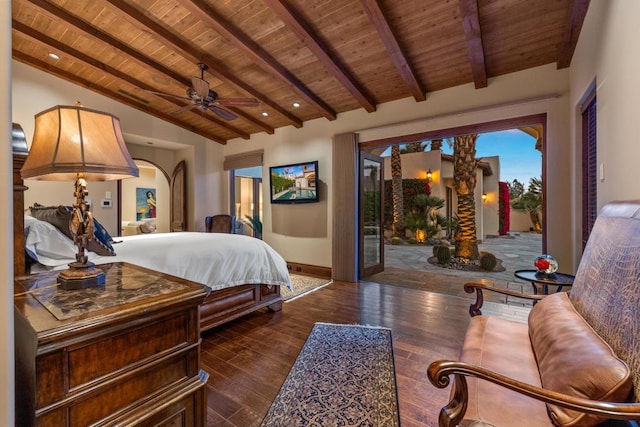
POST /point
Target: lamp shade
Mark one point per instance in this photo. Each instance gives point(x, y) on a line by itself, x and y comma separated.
point(68, 140)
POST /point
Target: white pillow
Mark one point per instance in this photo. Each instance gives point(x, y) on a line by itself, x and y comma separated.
point(46, 244)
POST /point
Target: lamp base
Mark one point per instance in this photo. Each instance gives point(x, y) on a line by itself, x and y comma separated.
point(81, 276)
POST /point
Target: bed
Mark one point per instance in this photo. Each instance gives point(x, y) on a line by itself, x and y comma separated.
point(244, 273)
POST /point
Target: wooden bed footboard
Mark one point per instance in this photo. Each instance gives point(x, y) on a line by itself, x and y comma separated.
point(224, 305)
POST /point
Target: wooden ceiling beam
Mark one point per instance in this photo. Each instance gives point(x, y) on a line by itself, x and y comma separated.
point(473, 33)
point(399, 59)
point(57, 13)
point(575, 19)
point(70, 77)
point(51, 43)
point(305, 33)
point(251, 49)
point(185, 49)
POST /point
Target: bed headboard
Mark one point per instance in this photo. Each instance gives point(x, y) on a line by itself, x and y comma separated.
point(20, 151)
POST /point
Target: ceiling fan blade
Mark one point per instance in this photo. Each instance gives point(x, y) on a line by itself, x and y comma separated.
point(167, 95)
point(238, 102)
point(225, 114)
point(201, 86)
point(185, 108)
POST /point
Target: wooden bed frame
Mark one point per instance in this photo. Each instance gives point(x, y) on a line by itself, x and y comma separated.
point(219, 307)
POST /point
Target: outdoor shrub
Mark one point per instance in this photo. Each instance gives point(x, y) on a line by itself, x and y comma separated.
point(488, 261)
point(412, 241)
point(443, 254)
point(411, 187)
point(396, 241)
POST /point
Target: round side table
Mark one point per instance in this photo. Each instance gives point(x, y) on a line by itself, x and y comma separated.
point(545, 280)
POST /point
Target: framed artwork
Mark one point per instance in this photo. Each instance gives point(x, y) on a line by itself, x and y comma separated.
point(145, 203)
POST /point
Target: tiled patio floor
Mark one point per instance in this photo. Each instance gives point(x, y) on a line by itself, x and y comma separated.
point(407, 265)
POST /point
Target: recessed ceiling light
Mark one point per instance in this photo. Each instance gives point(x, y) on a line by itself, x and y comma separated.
point(296, 104)
point(53, 55)
point(264, 113)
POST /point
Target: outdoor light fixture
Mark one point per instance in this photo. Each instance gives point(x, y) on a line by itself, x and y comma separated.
point(73, 143)
point(484, 197)
point(429, 174)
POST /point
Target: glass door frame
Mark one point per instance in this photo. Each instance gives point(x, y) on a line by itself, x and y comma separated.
point(368, 270)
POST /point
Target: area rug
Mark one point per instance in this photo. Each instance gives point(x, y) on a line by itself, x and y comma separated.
point(343, 376)
point(303, 285)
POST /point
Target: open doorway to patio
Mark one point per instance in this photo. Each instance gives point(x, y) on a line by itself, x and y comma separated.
point(505, 200)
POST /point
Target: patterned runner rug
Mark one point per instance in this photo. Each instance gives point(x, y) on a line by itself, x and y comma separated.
point(302, 285)
point(343, 376)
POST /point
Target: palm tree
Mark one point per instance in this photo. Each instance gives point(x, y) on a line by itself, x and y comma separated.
point(414, 147)
point(396, 187)
point(464, 181)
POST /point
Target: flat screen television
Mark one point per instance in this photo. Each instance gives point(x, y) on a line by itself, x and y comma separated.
point(295, 183)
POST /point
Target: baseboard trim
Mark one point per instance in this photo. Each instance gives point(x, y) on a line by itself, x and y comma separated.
point(310, 270)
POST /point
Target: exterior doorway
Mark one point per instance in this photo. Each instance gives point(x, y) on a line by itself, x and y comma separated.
point(426, 161)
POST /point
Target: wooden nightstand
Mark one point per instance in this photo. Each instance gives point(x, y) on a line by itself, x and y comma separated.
point(125, 354)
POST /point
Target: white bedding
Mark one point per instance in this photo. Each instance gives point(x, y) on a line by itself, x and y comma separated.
point(217, 260)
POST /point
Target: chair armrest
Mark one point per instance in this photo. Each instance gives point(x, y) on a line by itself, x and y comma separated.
point(474, 309)
point(453, 413)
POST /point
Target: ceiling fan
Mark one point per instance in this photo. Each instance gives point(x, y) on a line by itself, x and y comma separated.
point(205, 99)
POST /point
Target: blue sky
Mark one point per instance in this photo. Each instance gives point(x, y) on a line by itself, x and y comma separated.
point(518, 157)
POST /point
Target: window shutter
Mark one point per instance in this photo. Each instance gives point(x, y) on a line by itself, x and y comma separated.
point(243, 160)
point(589, 166)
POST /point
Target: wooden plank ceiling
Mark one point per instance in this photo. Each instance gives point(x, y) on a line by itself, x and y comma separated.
point(328, 56)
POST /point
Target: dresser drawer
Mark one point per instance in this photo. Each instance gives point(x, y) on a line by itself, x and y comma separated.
point(93, 405)
point(73, 369)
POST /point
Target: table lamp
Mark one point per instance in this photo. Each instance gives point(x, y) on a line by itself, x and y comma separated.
point(73, 143)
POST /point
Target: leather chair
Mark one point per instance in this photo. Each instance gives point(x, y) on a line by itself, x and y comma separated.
point(220, 224)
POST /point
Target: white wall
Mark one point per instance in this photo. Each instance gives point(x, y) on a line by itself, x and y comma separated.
point(607, 53)
point(7, 375)
point(54, 193)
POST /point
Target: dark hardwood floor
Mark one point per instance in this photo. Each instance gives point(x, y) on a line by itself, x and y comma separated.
point(249, 359)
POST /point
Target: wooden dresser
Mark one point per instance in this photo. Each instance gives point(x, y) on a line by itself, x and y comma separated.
point(124, 354)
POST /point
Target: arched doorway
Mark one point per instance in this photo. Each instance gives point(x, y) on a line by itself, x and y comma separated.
point(137, 213)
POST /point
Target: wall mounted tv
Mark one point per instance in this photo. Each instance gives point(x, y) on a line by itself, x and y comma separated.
point(295, 183)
